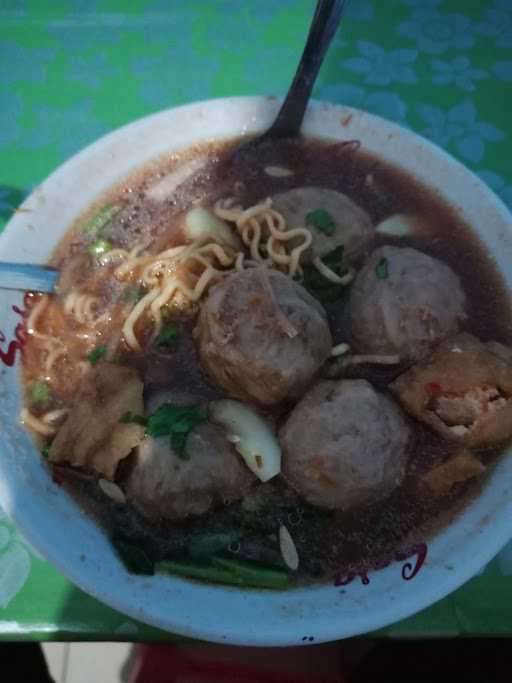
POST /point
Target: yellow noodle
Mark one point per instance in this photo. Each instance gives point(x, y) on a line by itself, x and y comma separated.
point(197, 292)
point(294, 265)
point(89, 303)
point(293, 259)
point(161, 276)
point(33, 317)
point(227, 210)
point(239, 262)
point(70, 303)
point(219, 252)
point(252, 212)
point(35, 424)
point(165, 295)
point(174, 251)
point(132, 319)
point(132, 261)
point(251, 235)
point(167, 275)
point(53, 346)
point(277, 253)
point(253, 222)
point(138, 310)
point(331, 275)
point(82, 307)
point(153, 271)
point(52, 356)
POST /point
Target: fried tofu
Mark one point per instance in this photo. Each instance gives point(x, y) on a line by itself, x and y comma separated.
point(460, 467)
point(92, 436)
point(462, 391)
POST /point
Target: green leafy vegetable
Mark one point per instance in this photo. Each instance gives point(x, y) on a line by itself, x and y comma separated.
point(253, 574)
point(320, 287)
point(131, 418)
point(170, 335)
point(382, 269)
point(45, 450)
point(178, 443)
point(134, 558)
point(170, 420)
point(203, 546)
point(322, 221)
point(40, 393)
point(96, 354)
point(197, 571)
point(100, 247)
point(96, 225)
point(134, 294)
point(176, 421)
point(232, 572)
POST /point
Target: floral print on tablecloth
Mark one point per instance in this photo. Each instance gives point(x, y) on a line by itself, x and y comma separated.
point(15, 562)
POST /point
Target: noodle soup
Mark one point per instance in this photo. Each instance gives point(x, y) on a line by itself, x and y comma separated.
point(270, 373)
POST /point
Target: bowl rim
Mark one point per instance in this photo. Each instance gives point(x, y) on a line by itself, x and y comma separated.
point(330, 629)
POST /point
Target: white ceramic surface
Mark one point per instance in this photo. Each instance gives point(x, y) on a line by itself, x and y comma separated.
point(67, 538)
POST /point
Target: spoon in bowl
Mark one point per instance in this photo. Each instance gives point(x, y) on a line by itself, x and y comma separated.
point(27, 277)
point(289, 119)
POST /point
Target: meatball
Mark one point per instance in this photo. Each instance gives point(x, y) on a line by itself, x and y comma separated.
point(353, 227)
point(261, 336)
point(462, 391)
point(404, 302)
point(345, 445)
point(164, 486)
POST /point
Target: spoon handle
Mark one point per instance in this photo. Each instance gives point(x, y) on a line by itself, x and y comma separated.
point(323, 27)
point(27, 277)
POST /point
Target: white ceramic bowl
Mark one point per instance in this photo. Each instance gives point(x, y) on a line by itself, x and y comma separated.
point(67, 538)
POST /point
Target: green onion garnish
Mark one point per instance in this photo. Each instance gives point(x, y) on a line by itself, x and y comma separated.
point(322, 221)
point(382, 269)
point(40, 393)
point(96, 354)
point(99, 247)
point(45, 450)
point(170, 420)
point(96, 225)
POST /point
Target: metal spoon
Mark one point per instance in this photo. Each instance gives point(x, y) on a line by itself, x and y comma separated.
point(289, 119)
point(27, 277)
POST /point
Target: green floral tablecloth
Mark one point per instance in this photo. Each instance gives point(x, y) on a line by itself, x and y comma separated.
point(71, 70)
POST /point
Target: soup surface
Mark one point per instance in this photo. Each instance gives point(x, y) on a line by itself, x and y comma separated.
point(273, 370)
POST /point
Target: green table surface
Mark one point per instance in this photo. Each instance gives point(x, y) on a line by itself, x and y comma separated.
point(72, 70)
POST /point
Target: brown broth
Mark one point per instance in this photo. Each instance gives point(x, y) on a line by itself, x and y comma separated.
point(327, 542)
